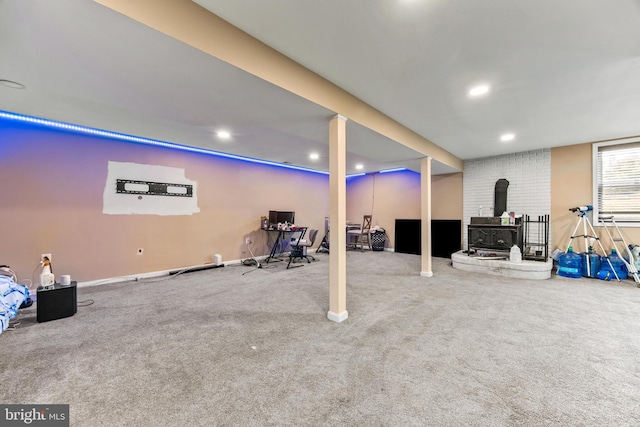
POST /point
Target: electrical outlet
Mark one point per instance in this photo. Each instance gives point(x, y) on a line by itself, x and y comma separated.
point(140, 251)
point(247, 240)
point(43, 256)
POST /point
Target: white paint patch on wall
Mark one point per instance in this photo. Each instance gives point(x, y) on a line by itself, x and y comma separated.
point(134, 204)
point(529, 192)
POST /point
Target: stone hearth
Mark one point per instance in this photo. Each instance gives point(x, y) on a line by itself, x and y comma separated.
point(503, 267)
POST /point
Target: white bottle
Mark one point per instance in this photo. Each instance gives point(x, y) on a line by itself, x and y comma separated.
point(504, 218)
point(46, 277)
point(515, 255)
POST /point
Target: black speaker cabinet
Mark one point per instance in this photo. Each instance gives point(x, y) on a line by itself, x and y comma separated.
point(446, 237)
point(57, 302)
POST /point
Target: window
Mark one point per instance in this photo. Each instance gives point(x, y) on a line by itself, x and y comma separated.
point(616, 181)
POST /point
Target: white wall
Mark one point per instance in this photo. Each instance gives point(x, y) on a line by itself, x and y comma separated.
point(529, 192)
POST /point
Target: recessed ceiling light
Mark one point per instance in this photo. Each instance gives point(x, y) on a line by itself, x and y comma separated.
point(507, 137)
point(359, 166)
point(11, 84)
point(314, 156)
point(223, 134)
point(478, 90)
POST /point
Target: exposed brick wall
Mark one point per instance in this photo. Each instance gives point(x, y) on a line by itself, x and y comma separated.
point(529, 192)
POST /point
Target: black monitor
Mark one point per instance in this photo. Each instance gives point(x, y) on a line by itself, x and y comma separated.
point(273, 218)
point(286, 216)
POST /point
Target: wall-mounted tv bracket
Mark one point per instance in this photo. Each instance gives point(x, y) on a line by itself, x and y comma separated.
point(129, 186)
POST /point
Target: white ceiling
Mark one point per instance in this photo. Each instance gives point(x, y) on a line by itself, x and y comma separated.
point(561, 72)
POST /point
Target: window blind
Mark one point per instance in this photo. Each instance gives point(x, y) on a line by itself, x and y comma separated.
point(618, 181)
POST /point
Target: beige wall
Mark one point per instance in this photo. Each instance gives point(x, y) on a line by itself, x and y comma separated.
point(52, 189)
point(571, 186)
point(446, 197)
point(396, 195)
point(52, 202)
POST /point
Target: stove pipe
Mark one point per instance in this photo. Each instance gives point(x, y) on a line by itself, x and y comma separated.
point(500, 197)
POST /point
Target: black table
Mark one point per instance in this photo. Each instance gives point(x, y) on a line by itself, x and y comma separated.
point(280, 239)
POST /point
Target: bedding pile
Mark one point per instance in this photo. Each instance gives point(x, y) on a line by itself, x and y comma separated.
point(12, 296)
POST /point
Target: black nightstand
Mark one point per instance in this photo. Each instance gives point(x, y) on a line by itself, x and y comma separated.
point(56, 302)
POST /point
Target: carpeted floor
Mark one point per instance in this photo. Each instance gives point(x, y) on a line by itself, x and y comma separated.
point(220, 347)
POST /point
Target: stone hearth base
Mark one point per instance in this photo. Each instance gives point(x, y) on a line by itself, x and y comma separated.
point(499, 267)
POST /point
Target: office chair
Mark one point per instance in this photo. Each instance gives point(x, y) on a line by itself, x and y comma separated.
point(362, 235)
point(312, 238)
point(299, 247)
point(324, 243)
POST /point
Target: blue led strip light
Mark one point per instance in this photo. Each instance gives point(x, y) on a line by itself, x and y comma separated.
point(393, 170)
point(147, 141)
point(356, 174)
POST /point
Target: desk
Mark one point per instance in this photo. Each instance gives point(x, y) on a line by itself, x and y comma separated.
point(324, 244)
point(278, 245)
point(298, 251)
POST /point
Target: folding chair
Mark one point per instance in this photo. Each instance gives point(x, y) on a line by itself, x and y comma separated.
point(362, 235)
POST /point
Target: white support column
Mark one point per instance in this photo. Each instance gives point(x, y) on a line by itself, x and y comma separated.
point(337, 219)
point(425, 215)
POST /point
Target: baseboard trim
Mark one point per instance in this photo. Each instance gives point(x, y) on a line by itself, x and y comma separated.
point(338, 318)
point(154, 274)
point(161, 273)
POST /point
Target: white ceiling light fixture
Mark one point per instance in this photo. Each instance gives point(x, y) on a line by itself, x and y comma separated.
point(314, 156)
point(478, 90)
point(359, 166)
point(223, 134)
point(507, 137)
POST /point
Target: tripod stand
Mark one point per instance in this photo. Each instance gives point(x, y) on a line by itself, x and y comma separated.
point(584, 220)
point(616, 236)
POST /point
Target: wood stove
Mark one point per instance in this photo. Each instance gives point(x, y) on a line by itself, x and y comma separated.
point(488, 234)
